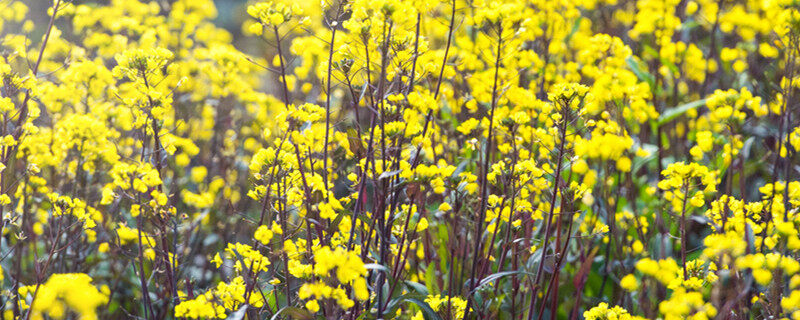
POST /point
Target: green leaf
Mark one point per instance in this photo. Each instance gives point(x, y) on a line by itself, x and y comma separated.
point(659, 241)
point(641, 74)
point(418, 287)
point(639, 162)
point(430, 280)
point(427, 311)
point(575, 26)
point(415, 298)
point(671, 114)
point(492, 277)
point(334, 225)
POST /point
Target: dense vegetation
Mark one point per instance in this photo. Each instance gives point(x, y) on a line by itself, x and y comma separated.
point(368, 159)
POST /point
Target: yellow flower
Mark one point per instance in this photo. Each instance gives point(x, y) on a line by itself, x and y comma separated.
point(70, 291)
point(312, 305)
point(629, 283)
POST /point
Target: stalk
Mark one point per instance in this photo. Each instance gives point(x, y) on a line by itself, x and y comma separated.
point(484, 179)
point(551, 213)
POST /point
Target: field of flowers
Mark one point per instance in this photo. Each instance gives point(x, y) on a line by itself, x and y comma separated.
point(410, 159)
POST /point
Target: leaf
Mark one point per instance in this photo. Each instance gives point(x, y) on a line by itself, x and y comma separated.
point(641, 74)
point(418, 287)
point(378, 267)
point(388, 174)
point(427, 311)
point(579, 280)
point(639, 162)
point(659, 241)
point(415, 298)
point(575, 27)
point(239, 314)
point(460, 168)
point(430, 280)
point(271, 301)
point(334, 225)
point(355, 144)
point(443, 250)
point(672, 113)
point(492, 277)
point(293, 313)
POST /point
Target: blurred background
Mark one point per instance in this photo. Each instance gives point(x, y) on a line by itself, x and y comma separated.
point(231, 13)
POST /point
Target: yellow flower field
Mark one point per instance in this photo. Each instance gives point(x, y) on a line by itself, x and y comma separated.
point(400, 159)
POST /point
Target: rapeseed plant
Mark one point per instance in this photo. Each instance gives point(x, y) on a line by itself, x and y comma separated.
point(377, 159)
